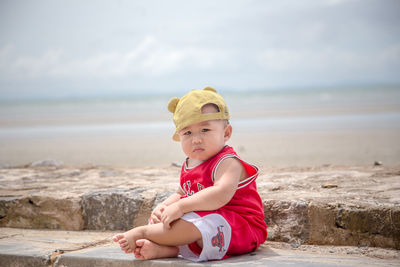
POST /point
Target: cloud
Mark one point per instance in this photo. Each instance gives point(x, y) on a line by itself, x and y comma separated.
point(336, 2)
point(328, 59)
point(150, 58)
point(390, 55)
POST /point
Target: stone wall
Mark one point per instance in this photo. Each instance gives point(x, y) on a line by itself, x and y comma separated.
point(291, 217)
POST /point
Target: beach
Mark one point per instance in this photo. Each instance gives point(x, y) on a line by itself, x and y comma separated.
point(329, 163)
point(313, 127)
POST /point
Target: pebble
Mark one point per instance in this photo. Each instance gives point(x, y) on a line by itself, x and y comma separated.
point(74, 173)
point(329, 186)
point(47, 163)
point(295, 245)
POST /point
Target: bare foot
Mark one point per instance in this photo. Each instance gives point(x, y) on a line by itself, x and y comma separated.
point(123, 243)
point(147, 250)
point(127, 240)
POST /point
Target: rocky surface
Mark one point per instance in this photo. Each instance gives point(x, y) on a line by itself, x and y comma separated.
point(329, 205)
point(117, 209)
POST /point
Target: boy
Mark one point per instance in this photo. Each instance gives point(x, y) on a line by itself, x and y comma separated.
point(217, 211)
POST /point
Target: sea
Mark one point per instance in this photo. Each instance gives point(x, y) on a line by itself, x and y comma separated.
point(307, 126)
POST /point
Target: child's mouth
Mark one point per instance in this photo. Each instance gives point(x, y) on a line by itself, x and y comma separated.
point(198, 149)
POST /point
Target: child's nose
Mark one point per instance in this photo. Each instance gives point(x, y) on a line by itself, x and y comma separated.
point(196, 139)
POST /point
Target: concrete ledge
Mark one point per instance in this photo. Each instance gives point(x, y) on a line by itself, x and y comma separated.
point(21, 247)
point(265, 256)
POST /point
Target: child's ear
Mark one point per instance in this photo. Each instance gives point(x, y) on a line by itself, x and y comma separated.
point(228, 132)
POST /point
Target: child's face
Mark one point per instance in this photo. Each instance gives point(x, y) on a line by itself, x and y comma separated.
point(204, 140)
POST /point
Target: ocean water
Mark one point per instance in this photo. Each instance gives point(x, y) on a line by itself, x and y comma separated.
point(33, 129)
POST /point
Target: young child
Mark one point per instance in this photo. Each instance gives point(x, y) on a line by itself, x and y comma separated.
point(216, 211)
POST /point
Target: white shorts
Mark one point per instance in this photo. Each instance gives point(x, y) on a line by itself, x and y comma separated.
point(216, 235)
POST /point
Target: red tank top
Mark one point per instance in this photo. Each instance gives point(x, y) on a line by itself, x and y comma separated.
point(244, 209)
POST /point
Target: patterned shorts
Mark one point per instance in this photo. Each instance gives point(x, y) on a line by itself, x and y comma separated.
point(216, 234)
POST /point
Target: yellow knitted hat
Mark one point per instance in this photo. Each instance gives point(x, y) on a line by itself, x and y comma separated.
point(187, 110)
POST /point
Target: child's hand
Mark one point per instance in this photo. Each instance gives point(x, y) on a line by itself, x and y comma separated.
point(170, 214)
point(155, 216)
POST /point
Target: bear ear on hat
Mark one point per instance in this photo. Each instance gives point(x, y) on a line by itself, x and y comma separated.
point(172, 104)
point(209, 88)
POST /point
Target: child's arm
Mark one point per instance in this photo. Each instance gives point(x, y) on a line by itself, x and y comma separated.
point(155, 216)
point(227, 178)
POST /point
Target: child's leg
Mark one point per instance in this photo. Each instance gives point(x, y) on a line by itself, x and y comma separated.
point(181, 233)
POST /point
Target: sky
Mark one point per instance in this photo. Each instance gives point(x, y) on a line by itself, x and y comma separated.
point(59, 48)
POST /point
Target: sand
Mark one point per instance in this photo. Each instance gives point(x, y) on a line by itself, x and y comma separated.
point(278, 148)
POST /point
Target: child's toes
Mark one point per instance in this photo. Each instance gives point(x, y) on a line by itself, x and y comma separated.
point(124, 246)
point(140, 242)
point(123, 241)
point(139, 256)
point(117, 237)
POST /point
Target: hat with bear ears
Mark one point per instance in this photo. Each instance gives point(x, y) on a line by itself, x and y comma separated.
point(187, 109)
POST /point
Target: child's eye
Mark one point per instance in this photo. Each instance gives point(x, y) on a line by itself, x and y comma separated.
point(187, 133)
point(205, 130)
